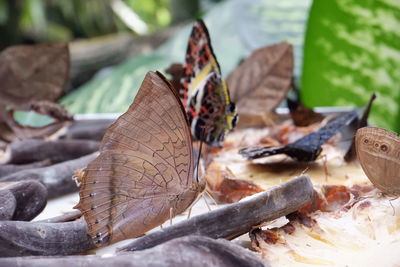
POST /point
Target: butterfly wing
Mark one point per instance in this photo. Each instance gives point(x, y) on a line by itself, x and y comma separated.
point(205, 109)
point(260, 152)
point(145, 163)
point(308, 147)
point(199, 61)
point(202, 69)
point(378, 151)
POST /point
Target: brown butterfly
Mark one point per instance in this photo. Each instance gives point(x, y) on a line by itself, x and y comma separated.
point(378, 151)
point(145, 171)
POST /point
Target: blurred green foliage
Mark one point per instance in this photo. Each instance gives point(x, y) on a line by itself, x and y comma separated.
point(352, 48)
point(59, 20)
point(155, 13)
point(236, 27)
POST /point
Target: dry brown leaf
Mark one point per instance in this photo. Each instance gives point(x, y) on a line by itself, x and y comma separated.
point(34, 71)
point(11, 130)
point(224, 188)
point(302, 115)
point(262, 81)
point(362, 122)
point(31, 78)
point(176, 70)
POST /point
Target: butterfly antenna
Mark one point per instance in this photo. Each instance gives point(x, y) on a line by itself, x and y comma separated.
point(325, 164)
point(391, 204)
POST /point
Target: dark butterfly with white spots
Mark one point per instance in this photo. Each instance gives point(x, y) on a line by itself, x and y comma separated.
point(306, 148)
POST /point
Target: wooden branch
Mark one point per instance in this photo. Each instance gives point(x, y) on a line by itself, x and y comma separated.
point(235, 219)
point(7, 169)
point(184, 251)
point(67, 217)
point(31, 150)
point(30, 199)
point(30, 238)
point(16, 131)
point(37, 238)
point(87, 129)
point(57, 178)
point(90, 55)
point(7, 206)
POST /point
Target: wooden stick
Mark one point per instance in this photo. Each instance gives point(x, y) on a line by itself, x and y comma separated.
point(31, 150)
point(36, 238)
point(88, 129)
point(7, 169)
point(57, 178)
point(29, 238)
point(8, 205)
point(184, 251)
point(30, 199)
point(235, 219)
point(67, 217)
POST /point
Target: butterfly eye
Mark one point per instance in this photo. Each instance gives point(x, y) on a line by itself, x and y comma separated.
point(384, 148)
point(231, 108)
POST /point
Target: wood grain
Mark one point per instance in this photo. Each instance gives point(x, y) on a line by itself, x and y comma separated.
point(186, 251)
point(236, 219)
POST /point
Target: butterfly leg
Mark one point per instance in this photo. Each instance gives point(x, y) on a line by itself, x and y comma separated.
point(189, 212)
point(193, 203)
point(171, 214)
point(325, 164)
point(205, 200)
point(304, 171)
point(391, 204)
point(213, 199)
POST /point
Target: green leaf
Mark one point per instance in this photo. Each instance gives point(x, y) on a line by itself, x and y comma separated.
point(236, 27)
point(352, 49)
point(113, 92)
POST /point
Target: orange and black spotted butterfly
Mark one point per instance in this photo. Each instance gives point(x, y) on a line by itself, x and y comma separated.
point(204, 93)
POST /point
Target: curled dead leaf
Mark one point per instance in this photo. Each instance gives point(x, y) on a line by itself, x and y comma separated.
point(225, 188)
point(302, 115)
point(262, 81)
point(31, 78)
point(34, 71)
point(176, 70)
